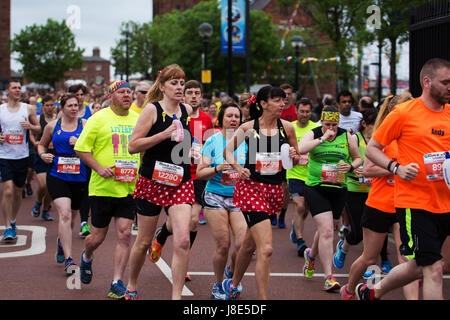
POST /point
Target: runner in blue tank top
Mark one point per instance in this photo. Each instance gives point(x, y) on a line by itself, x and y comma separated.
point(66, 180)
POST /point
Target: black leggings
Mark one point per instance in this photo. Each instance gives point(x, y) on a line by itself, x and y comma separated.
point(355, 206)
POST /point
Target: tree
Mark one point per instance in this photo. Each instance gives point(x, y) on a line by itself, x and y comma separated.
point(176, 40)
point(139, 49)
point(47, 51)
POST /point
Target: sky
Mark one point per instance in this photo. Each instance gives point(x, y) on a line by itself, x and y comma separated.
point(95, 23)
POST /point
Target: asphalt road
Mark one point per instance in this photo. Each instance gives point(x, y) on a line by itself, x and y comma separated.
point(29, 270)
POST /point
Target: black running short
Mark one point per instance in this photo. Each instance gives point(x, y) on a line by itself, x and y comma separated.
point(378, 221)
point(58, 188)
point(103, 209)
point(322, 199)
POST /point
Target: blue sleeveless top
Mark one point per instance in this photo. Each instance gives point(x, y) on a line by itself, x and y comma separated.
point(66, 165)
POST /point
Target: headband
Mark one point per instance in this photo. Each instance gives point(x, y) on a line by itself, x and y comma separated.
point(116, 85)
point(329, 116)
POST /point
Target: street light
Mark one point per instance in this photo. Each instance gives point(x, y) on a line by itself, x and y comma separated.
point(296, 42)
point(205, 31)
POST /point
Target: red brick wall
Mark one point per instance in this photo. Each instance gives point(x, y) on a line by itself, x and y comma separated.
point(5, 30)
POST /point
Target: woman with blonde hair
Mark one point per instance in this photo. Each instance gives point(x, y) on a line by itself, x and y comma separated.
point(245, 106)
point(379, 217)
point(164, 181)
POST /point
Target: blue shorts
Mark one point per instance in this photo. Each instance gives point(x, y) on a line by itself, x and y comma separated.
point(296, 188)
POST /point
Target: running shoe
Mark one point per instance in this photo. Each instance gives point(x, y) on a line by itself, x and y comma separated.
point(201, 218)
point(217, 292)
point(59, 252)
point(231, 293)
point(155, 251)
point(363, 292)
point(10, 234)
point(345, 295)
point(386, 266)
point(339, 256)
point(85, 230)
point(117, 290)
point(46, 216)
point(273, 219)
point(301, 247)
point(68, 263)
point(331, 284)
point(29, 189)
point(227, 274)
point(308, 268)
point(131, 295)
point(343, 232)
point(292, 235)
point(85, 270)
point(187, 277)
point(369, 274)
point(36, 210)
point(135, 226)
point(13, 226)
point(281, 224)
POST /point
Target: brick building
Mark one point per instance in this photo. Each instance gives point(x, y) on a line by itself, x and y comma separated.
point(5, 31)
point(95, 71)
point(280, 17)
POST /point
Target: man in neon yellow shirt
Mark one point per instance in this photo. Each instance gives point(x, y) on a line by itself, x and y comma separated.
point(103, 146)
point(141, 91)
point(297, 176)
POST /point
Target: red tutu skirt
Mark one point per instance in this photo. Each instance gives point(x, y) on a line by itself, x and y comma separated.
point(163, 195)
point(250, 195)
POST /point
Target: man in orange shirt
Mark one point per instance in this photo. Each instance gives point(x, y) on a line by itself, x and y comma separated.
point(421, 128)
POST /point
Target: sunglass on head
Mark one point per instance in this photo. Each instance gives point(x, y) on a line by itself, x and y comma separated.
point(143, 92)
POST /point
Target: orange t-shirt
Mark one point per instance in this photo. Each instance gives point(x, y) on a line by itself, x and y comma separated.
point(423, 136)
point(381, 194)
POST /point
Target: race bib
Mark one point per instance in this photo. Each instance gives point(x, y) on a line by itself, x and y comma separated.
point(70, 165)
point(229, 178)
point(268, 163)
point(167, 174)
point(125, 170)
point(330, 174)
point(304, 159)
point(14, 136)
point(433, 166)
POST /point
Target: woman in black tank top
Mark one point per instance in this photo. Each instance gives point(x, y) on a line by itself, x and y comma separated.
point(259, 193)
point(164, 177)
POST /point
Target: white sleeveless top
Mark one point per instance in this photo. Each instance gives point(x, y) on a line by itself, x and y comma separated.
point(16, 142)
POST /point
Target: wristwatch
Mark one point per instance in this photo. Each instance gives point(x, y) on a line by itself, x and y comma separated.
point(320, 139)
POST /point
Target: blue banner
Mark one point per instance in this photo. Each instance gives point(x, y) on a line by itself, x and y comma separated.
point(238, 29)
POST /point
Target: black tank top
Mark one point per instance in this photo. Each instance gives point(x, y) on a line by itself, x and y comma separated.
point(163, 150)
point(267, 148)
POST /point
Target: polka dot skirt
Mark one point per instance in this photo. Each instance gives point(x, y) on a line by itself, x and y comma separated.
point(163, 195)
point(250, 195)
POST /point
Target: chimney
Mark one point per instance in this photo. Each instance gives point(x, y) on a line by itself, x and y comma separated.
point(96, 52)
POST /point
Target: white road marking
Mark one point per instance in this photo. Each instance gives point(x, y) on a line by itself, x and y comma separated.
point(37, 242)
point(165, 269)
point(21, 241)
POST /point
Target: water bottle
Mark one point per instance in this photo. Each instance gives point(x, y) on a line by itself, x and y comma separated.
point(446, 169)
point(179, 133)
point(340, 174)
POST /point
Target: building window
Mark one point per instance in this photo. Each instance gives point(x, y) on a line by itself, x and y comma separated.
point(98, 67)
point(99, 80)
point(84, 68)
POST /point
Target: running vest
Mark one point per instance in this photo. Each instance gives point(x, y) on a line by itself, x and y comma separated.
point(263, 157)
point(66, 164)
point(159, 157)
point(354, 183)
point(16, 143)
point(323, 160)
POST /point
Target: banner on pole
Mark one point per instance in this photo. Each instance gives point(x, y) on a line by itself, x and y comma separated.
point(238, 32)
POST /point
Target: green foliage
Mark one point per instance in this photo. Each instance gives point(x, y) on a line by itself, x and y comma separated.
point(47, 51)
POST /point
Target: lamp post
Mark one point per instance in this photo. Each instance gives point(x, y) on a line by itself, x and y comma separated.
point(127, 34)
point(205, 31)
point(296, 42)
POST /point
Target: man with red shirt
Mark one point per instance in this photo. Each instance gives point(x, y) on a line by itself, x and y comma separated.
point(200, 125)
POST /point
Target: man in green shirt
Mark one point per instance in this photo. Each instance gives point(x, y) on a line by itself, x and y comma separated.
point(103, 146)
point(296, 176)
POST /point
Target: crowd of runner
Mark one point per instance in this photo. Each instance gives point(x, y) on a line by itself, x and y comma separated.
point(235, 164)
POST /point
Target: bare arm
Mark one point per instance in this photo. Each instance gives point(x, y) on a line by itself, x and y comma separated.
point(233, 144)
point(89, 160)
point(139, 141)
point(374, 152)
point(294, 153)
point(32, 122)
point(371, 170)
point(45, 141)
point(354, 153)
point(205, 172)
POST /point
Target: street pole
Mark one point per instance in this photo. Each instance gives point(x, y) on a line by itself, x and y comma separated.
point(296, 68)
point(247, 45)
point(127, 55)
point(230, 49)
point(380, 46)
point(205, 59)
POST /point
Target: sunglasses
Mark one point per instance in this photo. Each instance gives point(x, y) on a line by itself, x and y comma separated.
point(143, 92)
